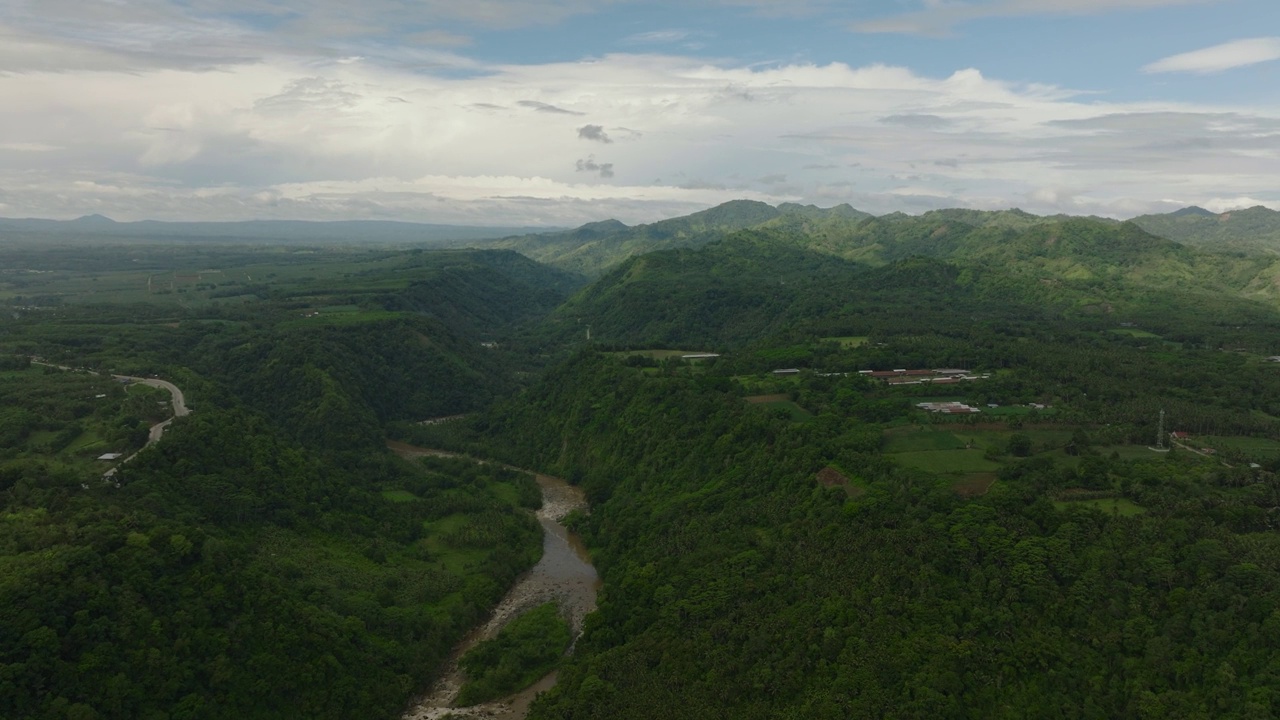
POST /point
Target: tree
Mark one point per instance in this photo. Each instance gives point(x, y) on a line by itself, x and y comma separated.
point(1019, 445)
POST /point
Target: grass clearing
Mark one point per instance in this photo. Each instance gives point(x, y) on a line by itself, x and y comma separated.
point(506, 492)
point(941, 462)
point(399, 496)
point(87, 442)
point(451, 559)
point(983, 439)
point(1250, 445)
point(912, 439)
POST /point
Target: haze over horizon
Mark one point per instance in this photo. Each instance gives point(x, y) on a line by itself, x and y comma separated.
point(560, 112)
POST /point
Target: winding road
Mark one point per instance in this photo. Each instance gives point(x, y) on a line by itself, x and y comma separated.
point(177, 399)
point(179, 404)
point(180, 409)
point(564, 575)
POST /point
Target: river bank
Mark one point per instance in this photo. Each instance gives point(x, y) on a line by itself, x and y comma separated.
point(564, 575)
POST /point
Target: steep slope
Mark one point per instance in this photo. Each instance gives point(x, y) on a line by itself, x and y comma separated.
point(1255, 230)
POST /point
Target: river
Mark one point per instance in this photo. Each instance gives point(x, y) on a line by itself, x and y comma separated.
point(564, 575)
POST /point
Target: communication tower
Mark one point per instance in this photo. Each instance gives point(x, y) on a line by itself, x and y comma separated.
point(1159, 446)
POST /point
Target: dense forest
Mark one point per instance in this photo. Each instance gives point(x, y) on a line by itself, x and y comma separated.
point(737, 585)
point(268, 558)
point(791, 514)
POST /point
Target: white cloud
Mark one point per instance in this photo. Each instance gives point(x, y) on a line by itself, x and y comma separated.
point(26, 147)
point(1222, 205)
point(938, 17)
point(1234, 54)
point(313, 138)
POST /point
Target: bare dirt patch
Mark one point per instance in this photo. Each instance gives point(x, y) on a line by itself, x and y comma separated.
point(830, 477)
point(974, 484)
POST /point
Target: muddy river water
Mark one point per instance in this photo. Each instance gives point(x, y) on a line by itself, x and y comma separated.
point(564, 575)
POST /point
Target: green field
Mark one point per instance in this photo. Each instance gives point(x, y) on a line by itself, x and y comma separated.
point(399, 496)
point(1264, 447)
point(1111, 506)
point(458, 561)
point(947, 461)
point(910, 439)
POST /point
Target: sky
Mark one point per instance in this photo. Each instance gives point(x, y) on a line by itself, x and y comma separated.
point(561, 112)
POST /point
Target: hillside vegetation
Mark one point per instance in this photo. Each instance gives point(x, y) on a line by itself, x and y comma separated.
point(268, 558)
point(908, 473)
point(1252, 231)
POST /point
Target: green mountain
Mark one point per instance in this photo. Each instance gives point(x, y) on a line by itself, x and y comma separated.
point(593, 248)
point(1254, 231)
point(928, 269)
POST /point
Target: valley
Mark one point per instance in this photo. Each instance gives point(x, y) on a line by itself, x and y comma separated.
point(816, 463)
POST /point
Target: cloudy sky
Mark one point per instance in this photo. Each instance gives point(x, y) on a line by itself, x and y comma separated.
point(558, 112)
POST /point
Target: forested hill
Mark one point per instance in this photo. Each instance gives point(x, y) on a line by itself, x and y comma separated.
point(810, 544)
point(909, 270)
point(738, 586)
point(593, 248)
point(1255, 230)
point(268, 559)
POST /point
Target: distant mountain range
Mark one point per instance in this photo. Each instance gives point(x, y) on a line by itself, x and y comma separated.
point(357, 232)
point(594, 248)
point(854, 235)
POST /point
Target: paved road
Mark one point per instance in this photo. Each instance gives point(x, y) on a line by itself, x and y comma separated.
point(180, 409)
point(179, 402)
